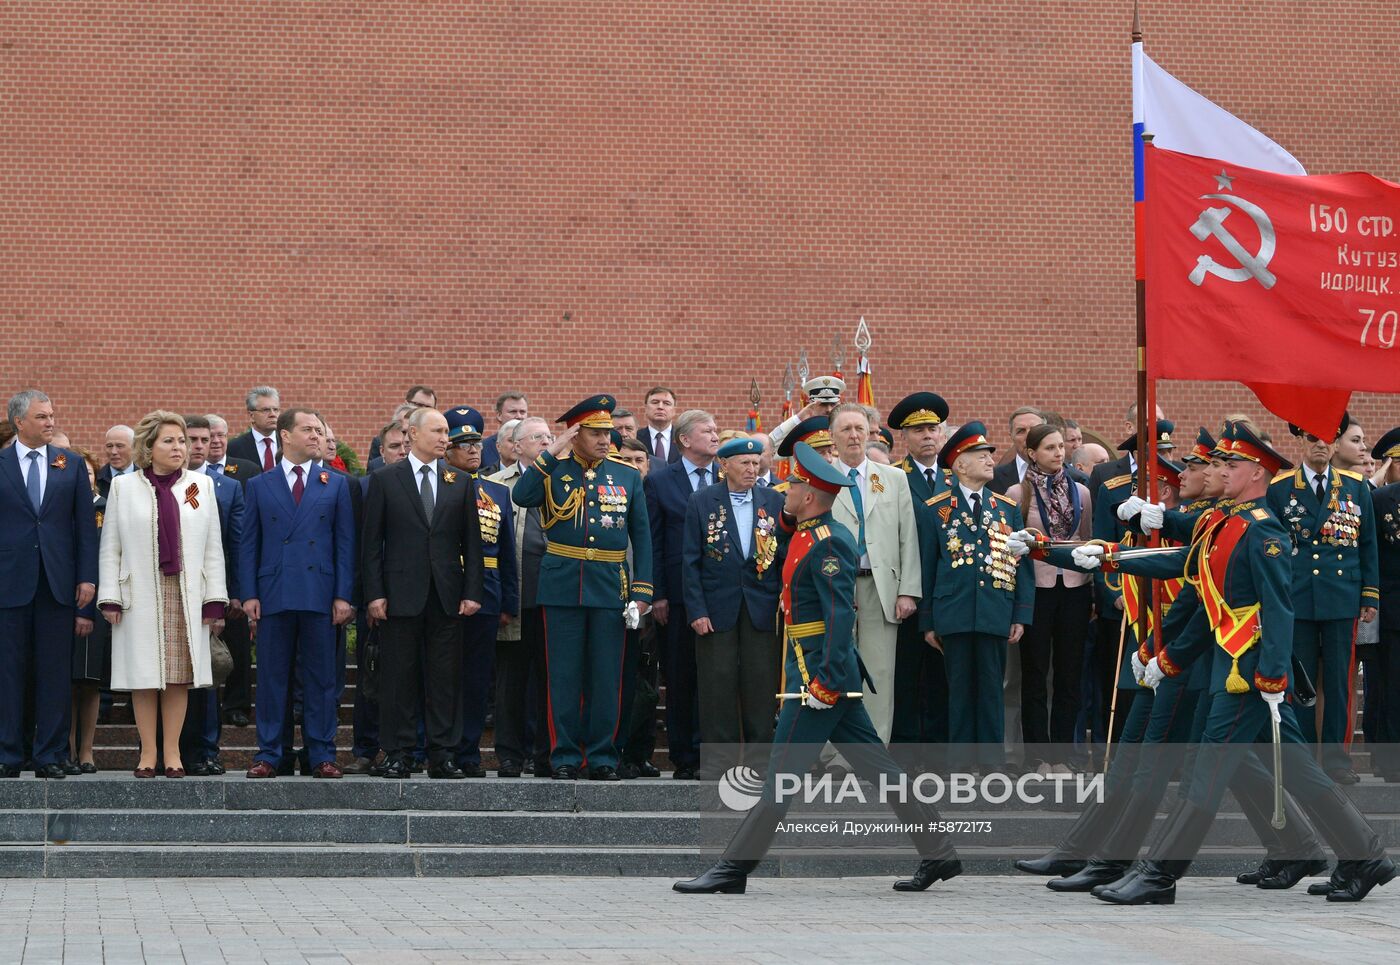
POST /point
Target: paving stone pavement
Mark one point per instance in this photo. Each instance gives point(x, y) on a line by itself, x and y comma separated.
point(521, 919)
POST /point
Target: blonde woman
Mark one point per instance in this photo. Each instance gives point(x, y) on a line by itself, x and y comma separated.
point(161, 584)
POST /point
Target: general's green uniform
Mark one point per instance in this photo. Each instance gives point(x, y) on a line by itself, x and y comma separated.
point(590, 511)
point(1335, 572)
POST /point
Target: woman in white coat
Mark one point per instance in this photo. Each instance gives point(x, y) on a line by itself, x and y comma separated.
point(161, 584)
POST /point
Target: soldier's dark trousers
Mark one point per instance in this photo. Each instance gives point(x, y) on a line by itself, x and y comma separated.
point(801, 733)
point(478, 675)
point(1325, 649)
point(583, 659)
point(976, 664)
point(1382, 713)
point(737, 673)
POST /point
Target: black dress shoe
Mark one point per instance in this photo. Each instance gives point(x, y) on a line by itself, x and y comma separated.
point(566, 772)
point(1361, 877)
point(648, 769)
point(88, 768)
point(396, 769)
point(216, 766)
point(725, 878)
point(237, 718)
point(510, 769)
point(1343, 775)
point(446, 771)
point(929, 871)
point(1054, 863)
point(628, 772)
point(603, 773)
point(1095, 873)
point(198, 769)
point(472, 770)
point(378, 769)
point(359, 767)
point(1267, 869)
point(50, 771)
point(416, 766)
point(683, 773)
point(1319, 889)
point(1289, 873)
point(70, 767)
point(7, 770)
point(1154, 884)
point(543, 770)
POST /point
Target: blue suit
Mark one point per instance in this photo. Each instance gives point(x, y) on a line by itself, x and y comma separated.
point(41, 567)
point(668, 491)
point(296, 561)
point(199, 739)
point(502, 595)
point(716, 577)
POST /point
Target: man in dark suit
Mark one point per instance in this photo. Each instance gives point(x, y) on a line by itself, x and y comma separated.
point(199, 740)
point(48, 572)
point(296, 563)
point(657, 434)
point(416, 397)
point(732, 565)
point(260, 443)
point(511, 406)
point(117, 445)
point(422, 571)
point(668, 492)
point(220, 463)
point(237, 704)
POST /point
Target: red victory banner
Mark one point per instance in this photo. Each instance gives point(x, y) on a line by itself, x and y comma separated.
point(1287, 283)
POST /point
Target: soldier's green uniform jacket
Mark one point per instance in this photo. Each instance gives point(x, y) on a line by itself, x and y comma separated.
point(918, 482)
point(1256, 571)
point(589, 513)
point(972, 583)
point(1333, 545)
point(819, 585)
point(1108, 527)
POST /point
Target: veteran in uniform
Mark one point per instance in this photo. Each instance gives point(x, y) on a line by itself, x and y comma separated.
point(977, 596)
point(1245, 581)
point(1332, 533)
point(592, 506)
point(823, 667)
point(920, 681)
point(502, 589)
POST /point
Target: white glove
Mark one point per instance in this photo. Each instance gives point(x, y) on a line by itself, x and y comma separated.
point(1152, 514)
point(1139, 668)
point(1130, 507)
point(816, 704)
point(1088, 557)
point(1152, 674)
point(1274, 701)
point(632, 615)
point(1018, 543)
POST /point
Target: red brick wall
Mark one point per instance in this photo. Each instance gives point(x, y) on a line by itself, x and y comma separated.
point(345, 198)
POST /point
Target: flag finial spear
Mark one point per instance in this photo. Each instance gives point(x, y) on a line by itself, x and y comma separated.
point(1137, 24)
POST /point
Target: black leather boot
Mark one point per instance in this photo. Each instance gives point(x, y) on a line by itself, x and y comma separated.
point(1289, 873)
point(1099, 871)
point(1118, 849)
point(929, 871)
point(725, 878)
point(1293, 851)
point(1080, 841)
point(1362, 862)
point(1155, 880)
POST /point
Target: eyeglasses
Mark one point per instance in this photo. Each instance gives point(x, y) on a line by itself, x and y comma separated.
point(267, 410)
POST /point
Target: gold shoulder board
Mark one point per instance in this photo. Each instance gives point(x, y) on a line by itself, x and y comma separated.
point(935, 500)
point(821, 532)
point(1283, 474)
point(1117, 481)
point(1349, 474)
point(1259, 513)
point(1004, 498)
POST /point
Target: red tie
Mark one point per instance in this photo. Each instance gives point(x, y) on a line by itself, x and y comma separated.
point(267, 456)
point(298, 487)
point(660, 447)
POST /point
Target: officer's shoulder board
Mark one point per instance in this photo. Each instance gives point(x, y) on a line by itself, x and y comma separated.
point(1349, 474)
point(1117, 481)
point(1260, 514)
point(613, 457)
point(1004, 498)
point(821, 532)
point(1282, 474)
point(935, 500)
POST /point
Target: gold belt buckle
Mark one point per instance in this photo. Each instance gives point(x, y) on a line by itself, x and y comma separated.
point(588, 553)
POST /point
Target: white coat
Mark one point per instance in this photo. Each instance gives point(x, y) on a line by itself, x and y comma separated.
point(128, 573)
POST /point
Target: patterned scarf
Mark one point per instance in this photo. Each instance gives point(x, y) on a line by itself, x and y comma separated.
point(1057, 506)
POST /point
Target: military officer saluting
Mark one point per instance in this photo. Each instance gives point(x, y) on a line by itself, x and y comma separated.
point(502, 590)
point(823, 395)
point(824, 669)
point(977, 596)
point(1336, 578)
point(591, 506)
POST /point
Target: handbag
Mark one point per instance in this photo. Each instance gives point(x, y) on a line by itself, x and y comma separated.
point(220, 659)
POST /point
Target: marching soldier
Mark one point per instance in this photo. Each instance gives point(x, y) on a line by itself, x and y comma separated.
point(977, 597)
point(1245, 594)
point(818, 600)
point(593, 506)
point(920, 681)
point(1332, 533)
point(502, 589)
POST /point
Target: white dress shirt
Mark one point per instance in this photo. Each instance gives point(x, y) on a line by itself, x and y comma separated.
point(665, 435)
point(418, 465)
point(290, 476)
point(23, 451)
point(1308, 475)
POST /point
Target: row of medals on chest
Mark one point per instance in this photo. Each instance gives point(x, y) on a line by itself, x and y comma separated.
point(1341, 528)
point(612, 499)
point(998, 563)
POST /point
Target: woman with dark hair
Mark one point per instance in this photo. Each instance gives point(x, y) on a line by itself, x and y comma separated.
point(1058, 507)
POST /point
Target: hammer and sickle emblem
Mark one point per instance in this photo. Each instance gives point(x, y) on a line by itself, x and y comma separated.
point(1256, 266)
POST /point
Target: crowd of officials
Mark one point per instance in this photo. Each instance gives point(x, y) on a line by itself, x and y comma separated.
point(548, 577)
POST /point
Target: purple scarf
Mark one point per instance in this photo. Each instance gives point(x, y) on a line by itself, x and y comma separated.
point(167, 521)
point(1058, 501)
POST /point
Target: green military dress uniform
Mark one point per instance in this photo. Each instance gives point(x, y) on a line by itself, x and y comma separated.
point(590, 511)
point(974, 590)
point(1335, 572)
